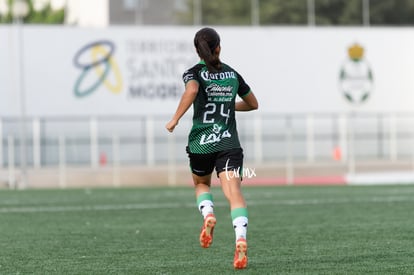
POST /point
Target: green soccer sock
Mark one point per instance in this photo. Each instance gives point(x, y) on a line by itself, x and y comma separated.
point(205, 204)
point(240, 221)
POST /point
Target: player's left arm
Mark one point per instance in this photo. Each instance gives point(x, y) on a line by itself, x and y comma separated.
point(248, 103)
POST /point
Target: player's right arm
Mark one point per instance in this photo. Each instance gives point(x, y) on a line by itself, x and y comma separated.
point(190, 93)
point(248, 103)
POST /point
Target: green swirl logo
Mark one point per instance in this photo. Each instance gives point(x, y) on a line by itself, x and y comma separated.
point(102, 63)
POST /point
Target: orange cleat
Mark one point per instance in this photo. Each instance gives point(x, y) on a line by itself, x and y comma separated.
point(240, 255)
point(206, 235)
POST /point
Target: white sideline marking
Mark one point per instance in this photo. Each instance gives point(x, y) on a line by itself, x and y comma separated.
point(380, 178)
point(114, 207)
point(108, 207)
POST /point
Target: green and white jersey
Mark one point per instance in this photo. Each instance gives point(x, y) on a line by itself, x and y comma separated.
point(214, 123)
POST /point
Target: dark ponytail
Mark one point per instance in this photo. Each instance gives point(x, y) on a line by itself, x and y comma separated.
point(206, 41)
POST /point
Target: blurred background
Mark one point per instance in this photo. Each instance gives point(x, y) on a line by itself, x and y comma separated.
point(87, 87)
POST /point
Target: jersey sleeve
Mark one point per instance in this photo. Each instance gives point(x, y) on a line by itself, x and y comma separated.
point(188, 75)
point(244, 89)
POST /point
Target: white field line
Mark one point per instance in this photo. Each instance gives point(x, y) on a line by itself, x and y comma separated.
point(142, 206)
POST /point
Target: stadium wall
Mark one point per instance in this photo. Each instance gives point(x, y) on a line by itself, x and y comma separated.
point(137, 70)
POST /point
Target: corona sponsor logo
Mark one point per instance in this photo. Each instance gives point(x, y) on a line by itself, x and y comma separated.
point(217, 76)
point(97, 57)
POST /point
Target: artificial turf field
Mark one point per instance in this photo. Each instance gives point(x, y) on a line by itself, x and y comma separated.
point(292, 230)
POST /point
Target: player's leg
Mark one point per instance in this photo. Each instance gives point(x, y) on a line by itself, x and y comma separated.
point(232, 191)
point(203, 195)
point(202, 167)
point(206, 207)
point(230, 178)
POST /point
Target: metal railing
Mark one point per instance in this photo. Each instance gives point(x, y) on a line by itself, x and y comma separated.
point(286, 139)
point(142, 140)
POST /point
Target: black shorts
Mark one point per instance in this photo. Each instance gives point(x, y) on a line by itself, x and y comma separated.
point(228, 160)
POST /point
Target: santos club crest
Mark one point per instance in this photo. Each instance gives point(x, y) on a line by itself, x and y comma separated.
point(356, 80)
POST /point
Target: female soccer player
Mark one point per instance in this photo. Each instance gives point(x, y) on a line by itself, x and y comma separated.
point(211, 87)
